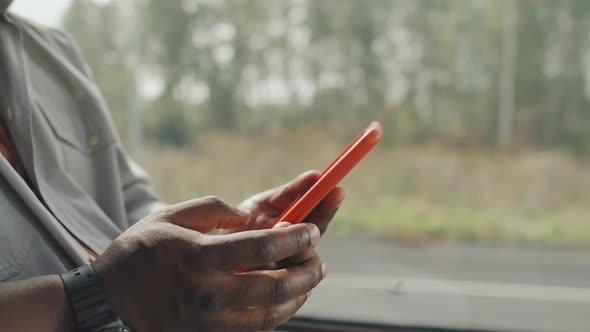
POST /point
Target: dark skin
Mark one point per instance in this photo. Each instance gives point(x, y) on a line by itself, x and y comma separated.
point(167, 273)
point(267, 206)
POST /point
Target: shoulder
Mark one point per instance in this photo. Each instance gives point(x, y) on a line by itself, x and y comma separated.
point(58, 41)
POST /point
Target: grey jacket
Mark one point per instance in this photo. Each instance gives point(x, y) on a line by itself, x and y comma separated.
point(64, 135)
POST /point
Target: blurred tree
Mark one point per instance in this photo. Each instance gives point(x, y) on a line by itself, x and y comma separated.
point(204, 42)
point(507, 72)
point(468, 72)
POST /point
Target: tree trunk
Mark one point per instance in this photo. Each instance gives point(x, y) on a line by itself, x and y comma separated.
point(507, 73)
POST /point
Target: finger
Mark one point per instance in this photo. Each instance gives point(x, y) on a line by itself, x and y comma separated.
point(326, 210)
point(283, 196)
point(267, 288)
point(262, 318)
point(268, 266)
point(250, 249)
point(283, 224)
point(265, 267)
point(206, 214)
point(299, 259)
point(272, 202)
point(273, 266)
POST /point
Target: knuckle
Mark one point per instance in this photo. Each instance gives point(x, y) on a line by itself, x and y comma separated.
point(208, 301)
point(266, 248)
point(271, 319)
point(313, 277)
point(214, 201)
point(164, 213)
point(303, 240)
point(279, 291)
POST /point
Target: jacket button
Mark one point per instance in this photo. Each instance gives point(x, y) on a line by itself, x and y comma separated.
point(92, 141)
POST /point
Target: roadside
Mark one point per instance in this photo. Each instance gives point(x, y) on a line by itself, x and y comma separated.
point(502, 289)
point(416, 194)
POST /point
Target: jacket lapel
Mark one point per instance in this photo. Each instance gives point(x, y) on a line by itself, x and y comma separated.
point(19, 120)
point(17, 116)
point(65, 240)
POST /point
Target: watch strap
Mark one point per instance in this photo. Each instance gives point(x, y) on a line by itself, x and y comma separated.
point(92, 311)
point(117, 326)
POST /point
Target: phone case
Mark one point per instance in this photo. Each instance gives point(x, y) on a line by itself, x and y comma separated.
point(333, 174)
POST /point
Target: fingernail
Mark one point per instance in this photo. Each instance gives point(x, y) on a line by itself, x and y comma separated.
point(315, 235)
point(324, 270)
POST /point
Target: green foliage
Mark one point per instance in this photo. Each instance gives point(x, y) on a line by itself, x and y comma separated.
point(173, 129)
point(170, 126)
point(413, 194)
point(262, 64)
point(262, 81)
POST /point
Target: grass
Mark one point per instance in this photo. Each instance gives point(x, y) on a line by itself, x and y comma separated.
point(413, 194)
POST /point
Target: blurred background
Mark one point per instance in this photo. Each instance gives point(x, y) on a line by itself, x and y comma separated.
point(490, 130)
point(485, 103)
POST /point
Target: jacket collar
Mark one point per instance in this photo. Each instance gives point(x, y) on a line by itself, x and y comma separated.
point(4, 4)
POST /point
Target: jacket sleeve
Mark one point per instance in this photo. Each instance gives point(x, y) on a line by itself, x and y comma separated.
point(139, 195)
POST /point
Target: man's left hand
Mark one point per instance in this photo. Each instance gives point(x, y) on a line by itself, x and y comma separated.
point(267, 206)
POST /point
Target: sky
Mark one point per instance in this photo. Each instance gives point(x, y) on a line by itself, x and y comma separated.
point(47, 12)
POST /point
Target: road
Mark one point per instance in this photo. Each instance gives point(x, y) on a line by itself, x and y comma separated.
point(470, 287)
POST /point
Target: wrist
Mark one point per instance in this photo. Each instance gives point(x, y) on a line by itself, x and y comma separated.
point(90, 308)
point(54, 300)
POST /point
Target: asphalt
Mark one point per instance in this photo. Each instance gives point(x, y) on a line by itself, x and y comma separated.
point(454, 286)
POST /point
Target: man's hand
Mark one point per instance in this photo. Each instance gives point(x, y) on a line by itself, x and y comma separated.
point(267, 206)
point(167, 274)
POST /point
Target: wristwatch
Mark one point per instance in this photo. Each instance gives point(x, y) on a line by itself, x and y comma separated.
point(92, 311)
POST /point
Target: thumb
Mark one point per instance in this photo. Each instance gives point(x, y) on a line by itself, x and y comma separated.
point(206, 214)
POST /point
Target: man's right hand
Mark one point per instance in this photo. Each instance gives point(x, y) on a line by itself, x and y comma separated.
point(166, 274)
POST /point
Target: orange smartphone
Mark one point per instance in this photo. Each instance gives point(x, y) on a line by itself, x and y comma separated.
point(333, 174)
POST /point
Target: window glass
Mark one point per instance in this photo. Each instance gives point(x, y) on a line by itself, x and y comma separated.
point(474, 210)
